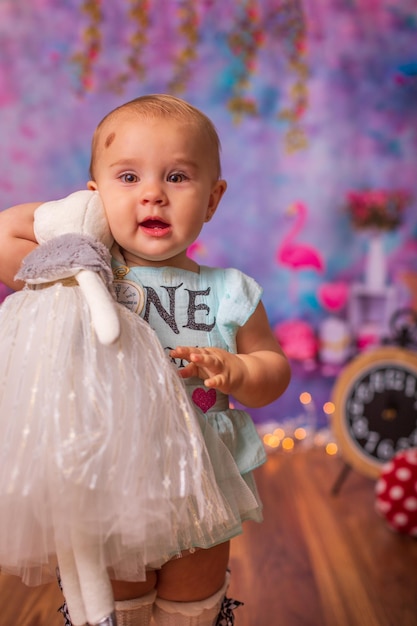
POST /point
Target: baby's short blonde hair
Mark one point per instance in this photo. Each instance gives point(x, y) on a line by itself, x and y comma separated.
point(165, 106)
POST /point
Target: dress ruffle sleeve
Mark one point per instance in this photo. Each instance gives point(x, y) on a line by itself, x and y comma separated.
point(242, 295)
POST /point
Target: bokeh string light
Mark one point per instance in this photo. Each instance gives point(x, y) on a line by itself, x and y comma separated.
point(300, 433)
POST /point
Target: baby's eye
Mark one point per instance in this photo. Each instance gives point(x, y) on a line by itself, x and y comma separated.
point(176, 177)
point(128, 177)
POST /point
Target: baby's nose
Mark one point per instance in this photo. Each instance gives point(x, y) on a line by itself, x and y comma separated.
point(153, 193)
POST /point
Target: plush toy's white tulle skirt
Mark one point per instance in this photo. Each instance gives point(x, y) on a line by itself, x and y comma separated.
point(101, 442)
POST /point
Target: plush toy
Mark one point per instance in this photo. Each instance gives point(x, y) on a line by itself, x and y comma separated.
point(396, 492)
point(104, 467)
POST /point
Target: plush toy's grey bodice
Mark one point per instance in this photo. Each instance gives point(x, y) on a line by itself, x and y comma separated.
point(65, 256)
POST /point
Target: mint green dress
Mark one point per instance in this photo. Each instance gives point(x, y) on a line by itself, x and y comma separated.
point(202, 309)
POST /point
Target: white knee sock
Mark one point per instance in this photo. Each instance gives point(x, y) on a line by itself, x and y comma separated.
point(136, 612)
point(202, 613)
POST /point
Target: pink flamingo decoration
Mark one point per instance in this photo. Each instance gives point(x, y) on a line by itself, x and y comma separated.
point(298, 256)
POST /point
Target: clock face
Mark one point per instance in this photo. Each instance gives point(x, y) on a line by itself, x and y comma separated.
point(129, 294)
point(375, 401)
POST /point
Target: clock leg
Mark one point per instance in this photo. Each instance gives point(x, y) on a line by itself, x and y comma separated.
point(344, 472)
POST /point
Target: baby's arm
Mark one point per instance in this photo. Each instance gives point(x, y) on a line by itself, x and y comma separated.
point(257, 375)
point(17, 239)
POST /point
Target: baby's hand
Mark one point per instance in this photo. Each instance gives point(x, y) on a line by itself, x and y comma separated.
point(216, 367)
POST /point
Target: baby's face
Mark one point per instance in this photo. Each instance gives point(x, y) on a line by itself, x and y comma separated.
point(157, 182)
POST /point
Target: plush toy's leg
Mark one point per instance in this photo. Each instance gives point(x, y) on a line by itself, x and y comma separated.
point(110, 620)
point(136, 612)
point(94, 581)
point(71, 587)
point(202, 613)
point(101, 304)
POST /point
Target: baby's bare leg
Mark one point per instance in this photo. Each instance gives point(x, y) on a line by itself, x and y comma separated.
point(195, 582)
point(134, 601)
point(194, 576)
point(128, 591)
point(191, 589)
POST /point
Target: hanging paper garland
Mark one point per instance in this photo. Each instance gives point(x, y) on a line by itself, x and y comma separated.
point(139, 13)
point(244, 42)
point(188, 30)
point(291, 30)
point(135, 69)
point(282, 23)
point(256, 25)
point(92, 41)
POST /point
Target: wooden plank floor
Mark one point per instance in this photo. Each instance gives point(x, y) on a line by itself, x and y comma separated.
point(317, 560)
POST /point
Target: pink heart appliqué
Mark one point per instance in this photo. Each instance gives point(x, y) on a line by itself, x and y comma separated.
point(204, 399)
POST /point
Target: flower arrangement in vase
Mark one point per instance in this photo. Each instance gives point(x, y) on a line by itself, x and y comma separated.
point(379, 209)
point(376, 211)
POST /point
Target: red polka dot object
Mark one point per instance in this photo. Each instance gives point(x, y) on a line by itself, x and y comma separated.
point(396, 492)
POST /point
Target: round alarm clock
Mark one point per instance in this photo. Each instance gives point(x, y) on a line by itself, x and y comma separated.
point(375, 399)
point(128, 292)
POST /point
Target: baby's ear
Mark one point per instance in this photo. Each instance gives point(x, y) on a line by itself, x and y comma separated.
point(216, 195)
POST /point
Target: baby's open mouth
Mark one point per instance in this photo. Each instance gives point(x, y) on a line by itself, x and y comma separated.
point(154, 224)
point(155, 227)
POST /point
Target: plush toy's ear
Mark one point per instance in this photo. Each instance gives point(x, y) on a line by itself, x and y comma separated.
point(81, 212)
